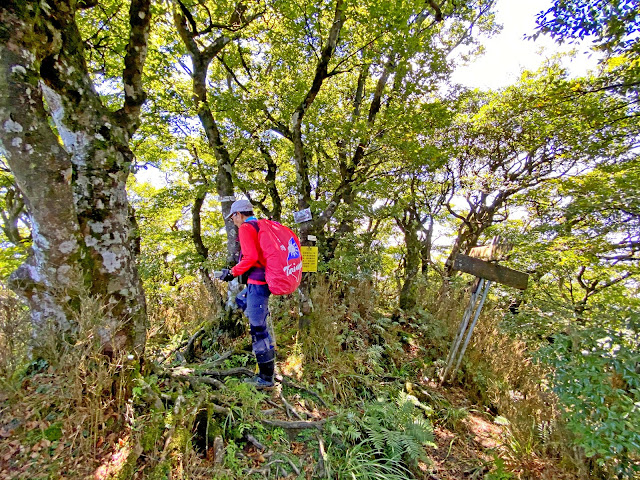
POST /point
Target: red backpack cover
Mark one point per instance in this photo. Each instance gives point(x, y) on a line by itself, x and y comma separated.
point(281, 249)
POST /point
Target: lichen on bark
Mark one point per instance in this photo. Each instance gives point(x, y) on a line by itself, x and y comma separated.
point(75, 192)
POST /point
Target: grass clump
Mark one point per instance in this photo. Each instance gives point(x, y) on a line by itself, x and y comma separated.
point(67, 406)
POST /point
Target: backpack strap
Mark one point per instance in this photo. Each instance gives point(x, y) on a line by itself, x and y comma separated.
point(254, 224)
point(257, 273)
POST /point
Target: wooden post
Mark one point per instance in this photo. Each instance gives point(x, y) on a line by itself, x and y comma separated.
point(461, 329)
point(486, 273)
point(487, 284)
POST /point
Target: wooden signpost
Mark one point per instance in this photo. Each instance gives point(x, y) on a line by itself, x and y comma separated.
point(491, 271)
point(485, 273)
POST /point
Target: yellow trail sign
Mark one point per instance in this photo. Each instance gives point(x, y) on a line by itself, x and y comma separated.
point(309, 259)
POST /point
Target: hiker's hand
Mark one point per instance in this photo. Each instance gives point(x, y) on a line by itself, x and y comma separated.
point(226, 275)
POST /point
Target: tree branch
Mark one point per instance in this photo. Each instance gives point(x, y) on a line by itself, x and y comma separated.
point(322, 65)
point(437, 10)
point(233, 75)
point(136, 54)
point(278, 126)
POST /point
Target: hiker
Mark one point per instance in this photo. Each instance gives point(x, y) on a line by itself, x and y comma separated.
point(254, 299)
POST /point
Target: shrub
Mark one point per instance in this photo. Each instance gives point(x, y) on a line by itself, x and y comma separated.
point(597, 382)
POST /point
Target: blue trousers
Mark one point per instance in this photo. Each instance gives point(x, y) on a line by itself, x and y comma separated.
point(254, 302)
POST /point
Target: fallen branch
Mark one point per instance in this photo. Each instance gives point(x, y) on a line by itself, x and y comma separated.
point(295, 425)
point(290, 383)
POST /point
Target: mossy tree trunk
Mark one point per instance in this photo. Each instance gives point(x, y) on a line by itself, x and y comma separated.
point(73, 178)
point(410, 225)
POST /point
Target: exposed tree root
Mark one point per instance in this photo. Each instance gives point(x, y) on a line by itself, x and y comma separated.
point(319, 470)
point(251, 439)
point(189, 344)
point(189, 353)
point(182, 345)
point(319, 424)
point(290, 383)
point(269, 411)
point(219, 409)
point(189, 375)
point(289, 408)
point(206, 380)
point(231, 372)
point(151, 397)
point(222, 358)
point(266, 470)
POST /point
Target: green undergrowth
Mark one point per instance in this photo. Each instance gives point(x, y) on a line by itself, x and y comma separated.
point(364, 378)
point(570, 398)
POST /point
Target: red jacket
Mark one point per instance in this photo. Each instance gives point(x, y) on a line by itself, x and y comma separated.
point(251, 253)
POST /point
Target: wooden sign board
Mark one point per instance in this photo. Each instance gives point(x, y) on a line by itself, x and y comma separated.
point(490, 271)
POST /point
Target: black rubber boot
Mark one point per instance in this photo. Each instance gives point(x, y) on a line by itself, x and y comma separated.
point(263, 380)
point(266, 367)
point(266, 370)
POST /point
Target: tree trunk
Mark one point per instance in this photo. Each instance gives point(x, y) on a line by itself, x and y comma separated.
point(303, 185)
point(83, 239)
point(272, 188)
point(203, 251)
point(201, 59)
point(425, 247)
point(412, 266)
point(410, 226)
point(224, 179)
